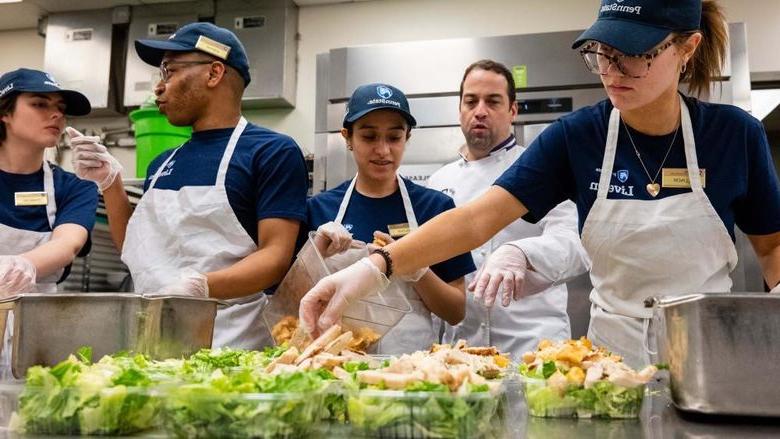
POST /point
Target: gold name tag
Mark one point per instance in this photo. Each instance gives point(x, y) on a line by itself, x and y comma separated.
point(212, 47)
point(678, 178)
point(30, 198)
point(398, 230)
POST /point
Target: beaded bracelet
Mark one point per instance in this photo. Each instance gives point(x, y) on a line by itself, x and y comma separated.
point(388, 261)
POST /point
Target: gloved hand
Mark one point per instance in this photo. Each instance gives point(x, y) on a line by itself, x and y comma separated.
point(506, 267)
point(324, 304)
point(91, 160)
point(190, 283)
point(17, 275)
point(387, 239)
point(339, 239)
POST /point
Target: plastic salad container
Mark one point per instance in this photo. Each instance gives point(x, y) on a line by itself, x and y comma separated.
point(406, 414)
point(573, 379)
point(603, 400)
point(112, 397)
point(245, 404)
point(379, 312)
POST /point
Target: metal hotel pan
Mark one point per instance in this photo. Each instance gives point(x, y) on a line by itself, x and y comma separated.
point(49, 327)
point(723, 351)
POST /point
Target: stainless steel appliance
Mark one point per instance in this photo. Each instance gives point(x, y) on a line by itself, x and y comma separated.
point(49, 327)
point(721, 351)
point(551, 79)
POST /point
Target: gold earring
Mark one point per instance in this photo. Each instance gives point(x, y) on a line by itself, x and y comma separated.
point(684, 67)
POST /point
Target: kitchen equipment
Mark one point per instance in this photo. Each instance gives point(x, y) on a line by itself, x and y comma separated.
point(379, 312)
point(49, 327)
point(722, 351)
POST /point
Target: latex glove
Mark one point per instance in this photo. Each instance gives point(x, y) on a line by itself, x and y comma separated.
point(91, 160)
point(506, 269)
point(17, 275)
point(339, 239)
point(323, 305)
point(387, 239)
point(190, 283)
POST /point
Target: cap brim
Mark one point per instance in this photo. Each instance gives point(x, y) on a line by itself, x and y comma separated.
point(152, 51)
point(76, 104)
point(409, 118)
point(629, 37)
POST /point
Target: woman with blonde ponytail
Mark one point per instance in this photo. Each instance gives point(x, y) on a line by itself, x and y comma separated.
point(660, 179)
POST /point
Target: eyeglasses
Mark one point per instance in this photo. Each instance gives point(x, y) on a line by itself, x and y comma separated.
point(633, 66)
point(165, 73)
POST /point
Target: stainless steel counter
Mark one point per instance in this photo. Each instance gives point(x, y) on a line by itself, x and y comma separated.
point(659, 419)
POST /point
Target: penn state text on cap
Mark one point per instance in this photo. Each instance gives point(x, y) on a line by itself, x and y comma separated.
point(36, 81)
point(370, 97)
point(636, 26)
point(202, 37)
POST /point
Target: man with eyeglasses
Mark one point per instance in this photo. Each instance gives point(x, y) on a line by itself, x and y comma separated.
point(220, 214)
point(543, 255)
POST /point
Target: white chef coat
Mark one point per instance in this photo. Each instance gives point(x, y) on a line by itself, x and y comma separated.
point(552, 247)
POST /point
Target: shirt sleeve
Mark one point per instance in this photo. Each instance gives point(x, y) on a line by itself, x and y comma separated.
point(541, 177)
point(758, 212)
point(458, 266)
point(78, 205)
point(557, 255)
point(282, 183)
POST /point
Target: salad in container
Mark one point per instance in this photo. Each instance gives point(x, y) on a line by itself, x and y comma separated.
point(450, 392)
point(573, 378)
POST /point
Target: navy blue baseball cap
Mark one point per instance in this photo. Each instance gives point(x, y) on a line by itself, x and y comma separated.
point(36, 81)
point(201, 37)
point(636, 26)
point(370, 97)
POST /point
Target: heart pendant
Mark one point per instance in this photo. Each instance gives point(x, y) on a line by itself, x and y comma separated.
point(653, 189)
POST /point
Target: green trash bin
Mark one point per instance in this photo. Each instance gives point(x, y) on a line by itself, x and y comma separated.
point(153, 135)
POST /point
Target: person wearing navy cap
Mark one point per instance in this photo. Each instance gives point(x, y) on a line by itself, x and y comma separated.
point(46, 213)
point(220, 214)
point(379, 206)
point(659, 178)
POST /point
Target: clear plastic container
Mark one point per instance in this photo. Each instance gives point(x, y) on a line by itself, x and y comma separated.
point(604, 400)
point(113, 411)
point(198, 414)
point(378, 312)
point(400, 414)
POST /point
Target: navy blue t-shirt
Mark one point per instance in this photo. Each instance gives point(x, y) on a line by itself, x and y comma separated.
point(76, 201)
point(365, 215)
point(564, 162)
point(266, 177)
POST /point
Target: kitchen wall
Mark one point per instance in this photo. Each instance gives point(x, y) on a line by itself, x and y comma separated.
point(382, 21)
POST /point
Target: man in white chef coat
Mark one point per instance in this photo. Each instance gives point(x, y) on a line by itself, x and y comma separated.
point(551, 247)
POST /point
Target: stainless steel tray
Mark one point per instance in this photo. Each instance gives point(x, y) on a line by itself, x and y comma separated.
point(723, 352)
point(49, 327)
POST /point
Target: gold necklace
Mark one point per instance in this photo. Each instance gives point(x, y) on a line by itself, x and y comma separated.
point(653, 188)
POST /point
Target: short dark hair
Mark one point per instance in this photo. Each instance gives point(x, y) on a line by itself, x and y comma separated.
point(495, 67)
point(7, 106)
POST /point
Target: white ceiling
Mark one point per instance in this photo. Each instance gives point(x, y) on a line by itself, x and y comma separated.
point(25, 15)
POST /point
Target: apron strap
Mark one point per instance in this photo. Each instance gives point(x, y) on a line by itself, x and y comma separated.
point(609, 154)
point(48, 187)
point(411, 218)
point(231, 146)
point(690, 148)
point(162, 166)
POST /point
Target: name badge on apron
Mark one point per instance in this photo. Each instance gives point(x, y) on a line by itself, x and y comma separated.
point(678, 178)
point(398, 230)
point(30, 199)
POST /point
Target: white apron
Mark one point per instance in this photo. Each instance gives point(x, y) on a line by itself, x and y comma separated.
point(195, 228)
point(642, 248)
point(17, 241)
point(415, 330)
point(519, 327)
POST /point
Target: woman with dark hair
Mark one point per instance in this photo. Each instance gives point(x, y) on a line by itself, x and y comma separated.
point(378, 206)
point(660, 179)
point(46, 213)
